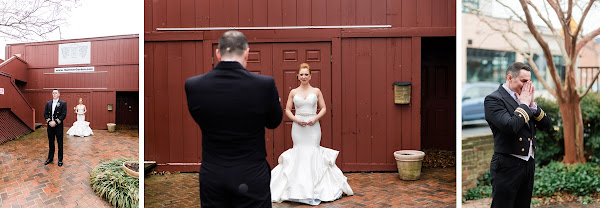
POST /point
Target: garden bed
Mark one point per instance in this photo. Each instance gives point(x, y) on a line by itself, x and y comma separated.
point(110, 182)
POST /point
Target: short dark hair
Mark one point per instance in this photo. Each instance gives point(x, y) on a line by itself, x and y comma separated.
point(232, 43)
point(514, 68)
point(56, 90)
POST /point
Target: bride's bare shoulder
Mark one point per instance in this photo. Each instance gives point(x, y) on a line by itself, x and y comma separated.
point(317, 90)
point(293, 91)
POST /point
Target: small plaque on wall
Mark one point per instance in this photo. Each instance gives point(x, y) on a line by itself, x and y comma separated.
point(402, 92)
point(74, 53)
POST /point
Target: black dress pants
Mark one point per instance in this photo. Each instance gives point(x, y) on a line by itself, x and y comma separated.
point(512, 181)
point(55, 132)
point(244, 185)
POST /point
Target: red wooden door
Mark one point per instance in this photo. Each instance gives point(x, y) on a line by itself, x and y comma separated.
point(281, 60)
point(260, 61)
point(286, 59)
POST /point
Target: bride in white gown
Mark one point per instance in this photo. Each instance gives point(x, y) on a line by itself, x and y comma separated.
point(80, 127)
point(307, 172)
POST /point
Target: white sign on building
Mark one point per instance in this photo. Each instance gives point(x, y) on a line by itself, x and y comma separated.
point(74, 69)
point(1, 91)
point(74, 53)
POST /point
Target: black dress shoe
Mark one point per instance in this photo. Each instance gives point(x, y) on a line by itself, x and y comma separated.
point(48, 161)
point(60, 164)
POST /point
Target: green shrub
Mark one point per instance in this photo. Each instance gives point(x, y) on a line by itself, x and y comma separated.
point(484, 180)
point(590, 111)
point(111, 182)
point(550, 144)
point(482, 190)
point(478, 193)
point(580, 179)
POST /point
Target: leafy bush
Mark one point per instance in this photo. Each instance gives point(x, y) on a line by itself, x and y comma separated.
point(590, 111)
point(482, 190)
point(550, 145)
point(478, 193)
point(580, 179)
point(111, 182)
point(484, 180)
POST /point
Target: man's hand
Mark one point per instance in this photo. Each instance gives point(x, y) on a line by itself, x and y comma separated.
point(52, 124)
point(526, 96)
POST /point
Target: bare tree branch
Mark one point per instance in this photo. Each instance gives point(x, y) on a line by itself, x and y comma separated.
point(32, 19)
point(569, 12)
point(510, 42)
point(559, 40)
point(585, 39)
point(547, 54)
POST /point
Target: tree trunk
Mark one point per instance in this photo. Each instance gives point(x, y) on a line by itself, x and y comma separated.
point(572, 122)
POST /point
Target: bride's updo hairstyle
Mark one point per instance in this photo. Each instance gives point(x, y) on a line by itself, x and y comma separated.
point(304, 66)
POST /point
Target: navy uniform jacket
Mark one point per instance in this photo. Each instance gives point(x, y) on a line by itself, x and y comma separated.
point(233, 106)
point(513, 125)
point(60, 112)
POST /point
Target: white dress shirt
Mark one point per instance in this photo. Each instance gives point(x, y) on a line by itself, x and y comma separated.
point(54, 102)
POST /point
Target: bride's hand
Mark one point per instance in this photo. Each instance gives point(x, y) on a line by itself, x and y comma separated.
point(311, 122)
point(299, 122)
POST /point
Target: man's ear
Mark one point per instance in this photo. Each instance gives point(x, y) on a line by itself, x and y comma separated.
point(246, 53)
point(218, 55)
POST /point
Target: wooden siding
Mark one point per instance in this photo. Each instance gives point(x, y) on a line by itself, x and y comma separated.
point(116, 68)
point(257, 13)
point(364, 124)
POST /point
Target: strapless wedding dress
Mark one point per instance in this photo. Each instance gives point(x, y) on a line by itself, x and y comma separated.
point(80, 127)
point(307, 172)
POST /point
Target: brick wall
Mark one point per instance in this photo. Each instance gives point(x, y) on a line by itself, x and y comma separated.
point(477, 153)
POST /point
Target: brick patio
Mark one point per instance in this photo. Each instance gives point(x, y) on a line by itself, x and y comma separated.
point(486, 202)
point(436, 188)
point(26, 182)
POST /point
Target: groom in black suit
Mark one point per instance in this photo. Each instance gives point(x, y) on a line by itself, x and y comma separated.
point(514, 117)
point(55, 113)
point(232, 107)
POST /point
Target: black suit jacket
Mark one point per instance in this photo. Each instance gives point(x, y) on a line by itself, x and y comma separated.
point(513, 125)
point(60, 113)
point(232, 107)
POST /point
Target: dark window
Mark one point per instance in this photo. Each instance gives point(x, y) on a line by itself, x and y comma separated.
point(488, 65)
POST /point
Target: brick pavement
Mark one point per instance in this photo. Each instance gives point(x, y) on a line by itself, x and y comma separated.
point(486, 202)
point(436, 188)
point(26, 182)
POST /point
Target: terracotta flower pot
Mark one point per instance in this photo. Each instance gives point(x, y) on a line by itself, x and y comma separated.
point(409, 164)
